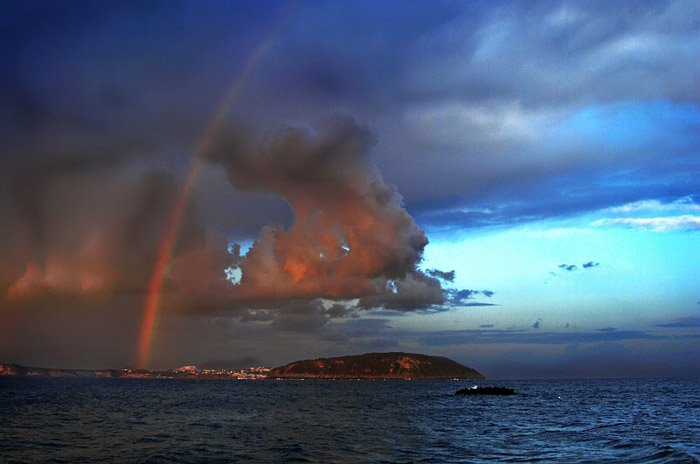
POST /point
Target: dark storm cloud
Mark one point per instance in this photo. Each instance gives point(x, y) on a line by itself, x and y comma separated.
point(488, 77)
point(93, 232)
point(520, 72)
point(307, 315)
point(614, 51)
point(139, 94)
point(417, 291)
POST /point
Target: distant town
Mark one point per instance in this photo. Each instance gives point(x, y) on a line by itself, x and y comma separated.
point(185, 372)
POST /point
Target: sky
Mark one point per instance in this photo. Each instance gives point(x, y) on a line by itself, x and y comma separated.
point(513, 185)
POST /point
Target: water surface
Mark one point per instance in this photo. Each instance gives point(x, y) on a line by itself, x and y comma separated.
point(188, 421)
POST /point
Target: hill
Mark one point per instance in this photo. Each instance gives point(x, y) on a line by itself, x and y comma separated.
point(377, 366)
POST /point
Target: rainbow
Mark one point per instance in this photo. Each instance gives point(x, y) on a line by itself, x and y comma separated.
point(172, 232)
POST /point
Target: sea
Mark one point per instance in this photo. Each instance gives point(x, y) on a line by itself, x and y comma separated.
point(64, 420)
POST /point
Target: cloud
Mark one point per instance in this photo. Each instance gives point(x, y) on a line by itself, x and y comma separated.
point(489, 337)
point(682, 322)
point(574, 267)
point(95, 232)
point(453, 123)
point(686, 203)
point(339, 311)
point(611, 53)
point(462, 297)
point(685, 222)
point(350, 238)
point(300, 316)
point(448, 276)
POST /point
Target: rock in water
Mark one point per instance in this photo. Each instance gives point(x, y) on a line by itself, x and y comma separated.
point(499, 391)
point(377, 366)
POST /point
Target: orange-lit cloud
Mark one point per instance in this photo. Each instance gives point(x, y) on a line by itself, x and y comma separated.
point(351, 237)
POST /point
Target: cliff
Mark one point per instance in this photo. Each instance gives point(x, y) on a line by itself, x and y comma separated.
point(376, 366)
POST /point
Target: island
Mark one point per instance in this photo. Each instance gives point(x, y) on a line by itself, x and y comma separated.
point(377, 366)
point(369, 366)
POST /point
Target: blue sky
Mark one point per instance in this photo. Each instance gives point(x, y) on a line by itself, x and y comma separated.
point(549, 152)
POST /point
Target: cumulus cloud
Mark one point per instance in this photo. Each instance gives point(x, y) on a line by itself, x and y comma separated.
point(351, 237)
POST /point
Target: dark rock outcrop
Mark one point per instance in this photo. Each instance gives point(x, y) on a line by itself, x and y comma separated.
point(377, 366)
point(498, 391)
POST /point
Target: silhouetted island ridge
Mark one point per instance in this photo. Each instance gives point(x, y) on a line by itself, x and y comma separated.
point(406, 366)
point(399, 366)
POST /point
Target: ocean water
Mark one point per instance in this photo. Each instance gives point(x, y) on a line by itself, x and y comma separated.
point(214, 421)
